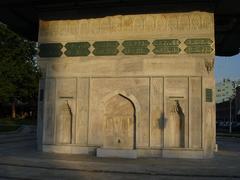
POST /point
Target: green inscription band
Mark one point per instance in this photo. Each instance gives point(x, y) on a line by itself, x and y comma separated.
point(50, 50)
point(202, 41)
point(198, 49)
point(135, 47)
point(166, 46)
point(77, 49)
point(209, 95)
point(105, 48)
point(166, 42)
point(130, 47)
point(136, 51)
point(167, 50)
point(198, 46)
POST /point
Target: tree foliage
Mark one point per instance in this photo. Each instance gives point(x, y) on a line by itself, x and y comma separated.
point(19, 73)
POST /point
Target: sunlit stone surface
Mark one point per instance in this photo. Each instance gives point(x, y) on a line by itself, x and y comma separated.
point(128, 86)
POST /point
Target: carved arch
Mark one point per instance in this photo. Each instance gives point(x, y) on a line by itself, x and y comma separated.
point(131, 97)
point(133, 100)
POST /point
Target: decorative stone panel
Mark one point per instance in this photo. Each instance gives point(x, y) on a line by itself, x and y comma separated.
point(130, 47)
point(166, 46)
point(50, 50)
point(105, 48)
point(135, 47)
point(77, 49)
point(209, 95)
point(198, 46)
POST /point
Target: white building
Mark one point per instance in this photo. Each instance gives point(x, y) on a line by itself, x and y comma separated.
point(225, 90)
point(237, 83)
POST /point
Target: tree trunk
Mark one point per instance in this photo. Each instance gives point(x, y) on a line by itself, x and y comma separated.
point(13, 109)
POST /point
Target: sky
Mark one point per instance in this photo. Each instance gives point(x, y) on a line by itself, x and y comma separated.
point(227, 67)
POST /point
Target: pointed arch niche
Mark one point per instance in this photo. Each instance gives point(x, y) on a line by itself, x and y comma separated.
point(121, 114)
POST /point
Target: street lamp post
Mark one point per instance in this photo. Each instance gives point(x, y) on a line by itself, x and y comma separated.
point(230, 116)
point(230, 110)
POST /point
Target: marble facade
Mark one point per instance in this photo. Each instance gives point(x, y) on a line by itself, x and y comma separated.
point(128, 86)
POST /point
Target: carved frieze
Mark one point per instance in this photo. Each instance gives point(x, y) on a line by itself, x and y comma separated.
point(121, 26)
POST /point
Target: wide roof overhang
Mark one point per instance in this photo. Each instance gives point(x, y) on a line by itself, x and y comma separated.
point(23, 16)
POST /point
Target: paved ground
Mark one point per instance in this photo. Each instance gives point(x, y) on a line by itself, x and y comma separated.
point(19, 160)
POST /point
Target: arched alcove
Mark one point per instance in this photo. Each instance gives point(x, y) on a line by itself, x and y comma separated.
point(175, 125)
point(64, 124)
point(121, 112)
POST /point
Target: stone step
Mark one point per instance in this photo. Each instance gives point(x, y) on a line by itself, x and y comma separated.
point(123, 153)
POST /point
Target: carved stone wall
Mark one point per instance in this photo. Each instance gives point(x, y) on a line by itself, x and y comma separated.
point(132, 82)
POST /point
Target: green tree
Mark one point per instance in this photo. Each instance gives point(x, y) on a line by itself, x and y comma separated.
point(19, 73)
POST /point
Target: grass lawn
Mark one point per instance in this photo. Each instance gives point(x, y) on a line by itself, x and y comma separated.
point(8, 128)
point(8, 124)
point(234, 134)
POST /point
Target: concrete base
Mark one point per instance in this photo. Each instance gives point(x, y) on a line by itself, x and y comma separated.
point(125, 153)
point(68, 149)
